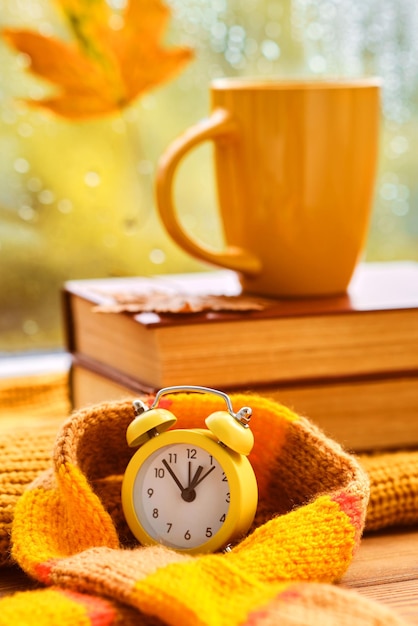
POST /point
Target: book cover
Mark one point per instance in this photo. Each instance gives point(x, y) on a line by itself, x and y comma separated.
point(373, 329)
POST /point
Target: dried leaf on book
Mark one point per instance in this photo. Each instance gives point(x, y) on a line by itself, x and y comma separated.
point(161, 302)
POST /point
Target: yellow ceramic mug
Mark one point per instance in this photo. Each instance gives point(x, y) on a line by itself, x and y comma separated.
point(295, 166)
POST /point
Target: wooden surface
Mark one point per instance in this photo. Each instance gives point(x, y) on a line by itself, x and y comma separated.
point(385, 569)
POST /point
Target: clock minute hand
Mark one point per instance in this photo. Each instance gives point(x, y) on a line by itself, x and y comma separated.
point(188, 493)
point(176, 480)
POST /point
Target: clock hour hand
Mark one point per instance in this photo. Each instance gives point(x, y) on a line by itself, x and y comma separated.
point(176, 480)
point(193, 481)
point(189, 494)
point(197, 479)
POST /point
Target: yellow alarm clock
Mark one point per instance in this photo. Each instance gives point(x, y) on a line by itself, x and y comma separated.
point(193, 490)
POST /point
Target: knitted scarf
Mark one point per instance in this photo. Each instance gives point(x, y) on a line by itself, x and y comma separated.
point(70, 535)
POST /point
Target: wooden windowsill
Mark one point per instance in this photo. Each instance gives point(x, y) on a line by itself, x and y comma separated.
point(21, 365)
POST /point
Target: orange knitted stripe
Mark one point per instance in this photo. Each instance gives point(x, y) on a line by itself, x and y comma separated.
point(87, 522)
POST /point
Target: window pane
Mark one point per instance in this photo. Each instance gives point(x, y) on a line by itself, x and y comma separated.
point(77, 197)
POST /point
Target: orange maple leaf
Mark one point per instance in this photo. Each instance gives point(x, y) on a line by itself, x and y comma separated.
point(105, 68)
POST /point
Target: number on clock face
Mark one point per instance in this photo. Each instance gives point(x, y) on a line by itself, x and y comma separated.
point(181, 495)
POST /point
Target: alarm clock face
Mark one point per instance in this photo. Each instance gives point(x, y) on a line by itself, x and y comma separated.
point(181, 495)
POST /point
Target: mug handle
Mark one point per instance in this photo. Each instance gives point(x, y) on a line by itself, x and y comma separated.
point(219, 126)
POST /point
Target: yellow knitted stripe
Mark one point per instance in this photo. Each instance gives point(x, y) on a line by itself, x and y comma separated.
point(205, 594)
point(37, 512)
point(51, 524)
point(314, 542)
point(42, 608)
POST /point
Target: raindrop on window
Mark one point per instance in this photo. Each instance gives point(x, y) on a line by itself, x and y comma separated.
point(270, 49)
point(236, 34)
point(23, 61)
point(219, 30)
point(92, 179)
point(27, 213)
point(145, 167)
point(46, 196)
point(21, 165)
point(318, 64)
point(315, 31)
point(118, 5)
point(46, 29)
point(388, 191)
point(399, 144)
point(34, 184)
point(400, 208)
point(157, 256)
point(234, 57)
point(65, 205)
point(25, 130)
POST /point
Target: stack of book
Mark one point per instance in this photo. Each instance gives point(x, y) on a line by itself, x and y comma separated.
point(349, 362)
